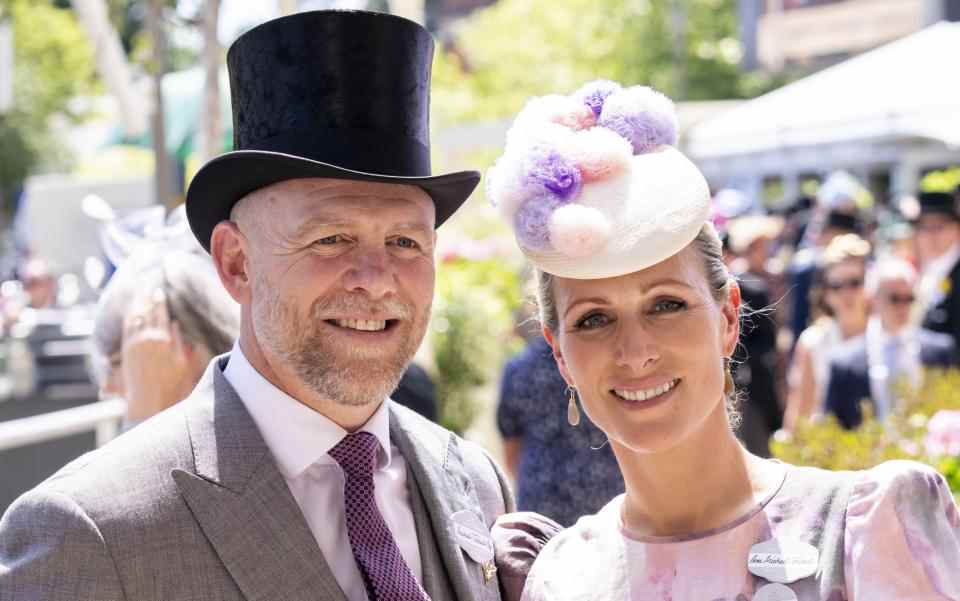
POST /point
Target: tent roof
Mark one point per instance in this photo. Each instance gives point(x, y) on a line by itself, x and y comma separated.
point(906, 89)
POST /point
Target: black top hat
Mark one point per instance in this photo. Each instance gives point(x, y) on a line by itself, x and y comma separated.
point(338, 94)
point(939, 203)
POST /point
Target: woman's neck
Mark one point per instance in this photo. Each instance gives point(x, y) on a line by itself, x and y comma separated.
point(705, 482)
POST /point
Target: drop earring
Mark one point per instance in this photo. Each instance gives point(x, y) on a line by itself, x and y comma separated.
point(728, 386)
point(573, 413)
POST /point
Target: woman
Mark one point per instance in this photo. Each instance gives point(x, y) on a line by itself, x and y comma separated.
point(642, 317)
point(160, 320)
point(844, 314)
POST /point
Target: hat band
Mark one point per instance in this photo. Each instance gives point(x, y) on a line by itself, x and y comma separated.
point(354, 149)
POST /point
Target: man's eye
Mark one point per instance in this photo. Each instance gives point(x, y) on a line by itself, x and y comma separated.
point(592, 321)
point(669, 306)
point(330, 240)
point(406, 243)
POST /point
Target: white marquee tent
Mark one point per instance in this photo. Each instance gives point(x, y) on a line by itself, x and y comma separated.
point(894, 109)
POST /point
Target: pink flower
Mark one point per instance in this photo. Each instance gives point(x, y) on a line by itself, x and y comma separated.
point(943, 434)
point(579, 231)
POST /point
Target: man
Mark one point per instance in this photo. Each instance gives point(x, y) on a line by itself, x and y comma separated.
point(285, 475)
point(889, 354)
point(937, 225)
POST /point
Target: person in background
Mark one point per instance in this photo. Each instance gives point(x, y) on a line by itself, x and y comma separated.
point(755, 362)
point(803, 272)
point(159, 321)
point(562, 470)
point(890, 353)
point(417, 391)
point(936, 222)
point(39, 284)
point(643, 318)
point(844, 310)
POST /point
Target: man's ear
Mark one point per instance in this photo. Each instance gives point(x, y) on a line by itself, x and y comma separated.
point(731, 314)
point(229, 249)
point(558, 356)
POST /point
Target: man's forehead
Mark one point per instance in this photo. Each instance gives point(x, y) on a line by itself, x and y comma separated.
point(313, 201)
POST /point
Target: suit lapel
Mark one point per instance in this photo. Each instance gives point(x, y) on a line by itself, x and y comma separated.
point(243, 505)
point(434, 460)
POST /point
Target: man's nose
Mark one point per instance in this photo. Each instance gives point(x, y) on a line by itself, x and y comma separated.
point(372, 273)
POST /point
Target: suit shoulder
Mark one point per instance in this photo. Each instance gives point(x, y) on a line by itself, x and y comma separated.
point(129, 471)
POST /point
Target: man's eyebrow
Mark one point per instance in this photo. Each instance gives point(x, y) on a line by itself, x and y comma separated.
point(315, 223)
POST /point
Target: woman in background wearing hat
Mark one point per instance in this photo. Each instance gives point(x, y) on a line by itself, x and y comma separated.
point(642, 316)
point(843, 313)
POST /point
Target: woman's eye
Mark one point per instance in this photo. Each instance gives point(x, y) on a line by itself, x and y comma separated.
point(668, 306)
point(592, 321)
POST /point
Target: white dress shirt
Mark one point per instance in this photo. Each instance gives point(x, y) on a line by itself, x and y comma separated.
point(299, 439)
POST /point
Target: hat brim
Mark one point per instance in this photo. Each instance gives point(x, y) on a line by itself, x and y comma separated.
point(229, 177)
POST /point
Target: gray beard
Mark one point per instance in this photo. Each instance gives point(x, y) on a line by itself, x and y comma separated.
point(349, 376)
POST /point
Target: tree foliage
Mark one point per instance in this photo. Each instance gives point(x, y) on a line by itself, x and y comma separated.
point(515, 49)
point(53, 63)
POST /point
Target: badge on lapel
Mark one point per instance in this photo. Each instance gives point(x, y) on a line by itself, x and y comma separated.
point(775, 592)
point(474, 539)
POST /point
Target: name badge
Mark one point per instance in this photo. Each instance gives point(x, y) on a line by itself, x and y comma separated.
point(472, 536)
point(774, 592)
point(783, 560)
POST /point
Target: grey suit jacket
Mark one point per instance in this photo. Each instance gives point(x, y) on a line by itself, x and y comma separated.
point(191, 506)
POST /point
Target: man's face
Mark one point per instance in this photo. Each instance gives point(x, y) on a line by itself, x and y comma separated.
point(342, 279)
point(893, 299)
point(935, 235)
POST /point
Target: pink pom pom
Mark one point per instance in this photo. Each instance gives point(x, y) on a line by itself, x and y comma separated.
point(600, 154)
point(578, 231)
point(562, 110)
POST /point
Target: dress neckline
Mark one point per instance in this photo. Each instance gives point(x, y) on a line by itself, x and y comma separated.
point(692, 536)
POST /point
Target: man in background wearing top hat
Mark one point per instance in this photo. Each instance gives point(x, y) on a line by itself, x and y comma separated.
point(936, 223)
point(286, 475)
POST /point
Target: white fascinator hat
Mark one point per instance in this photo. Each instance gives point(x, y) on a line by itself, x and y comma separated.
point(592, 183)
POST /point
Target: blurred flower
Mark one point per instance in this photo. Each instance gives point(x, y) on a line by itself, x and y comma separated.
point(943, 434)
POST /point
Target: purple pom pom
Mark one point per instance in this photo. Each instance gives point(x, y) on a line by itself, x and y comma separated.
point(532, 221)
point(548, 168)
point(643, 116)
point(593, 94)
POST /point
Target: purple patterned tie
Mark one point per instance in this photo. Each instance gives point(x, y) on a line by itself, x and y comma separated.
point(385, 573)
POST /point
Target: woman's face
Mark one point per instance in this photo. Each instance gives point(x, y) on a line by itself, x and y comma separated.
point(645, 350)
point(843, 288)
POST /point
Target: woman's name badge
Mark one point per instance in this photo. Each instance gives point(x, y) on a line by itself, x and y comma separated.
point(774, 592)
point(783, 560)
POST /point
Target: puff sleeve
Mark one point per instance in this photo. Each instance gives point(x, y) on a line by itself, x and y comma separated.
point(902, 536)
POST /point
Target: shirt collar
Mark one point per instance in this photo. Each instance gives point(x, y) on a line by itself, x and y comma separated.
point(297, 435)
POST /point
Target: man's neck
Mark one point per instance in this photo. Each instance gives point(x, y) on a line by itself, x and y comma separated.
point(348, 417)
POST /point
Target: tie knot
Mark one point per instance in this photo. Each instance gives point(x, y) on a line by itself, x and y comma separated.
point(356, 453)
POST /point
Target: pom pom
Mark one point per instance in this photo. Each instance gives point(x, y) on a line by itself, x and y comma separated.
point(532, 221)
point(594, 94)
point(561, 110)
point(579, 231)
point(506, 186)
point(600, 153)
point(546, 167)
point(522, 137)
point(643, 116)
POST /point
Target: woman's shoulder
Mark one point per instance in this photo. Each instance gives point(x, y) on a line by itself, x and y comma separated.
point(902, 534)
point(580, 562)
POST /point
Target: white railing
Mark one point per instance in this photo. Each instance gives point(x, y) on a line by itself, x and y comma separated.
point(104, 417)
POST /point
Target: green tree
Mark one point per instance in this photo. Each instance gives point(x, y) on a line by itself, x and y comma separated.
point(53, 62)
point(515, 49)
